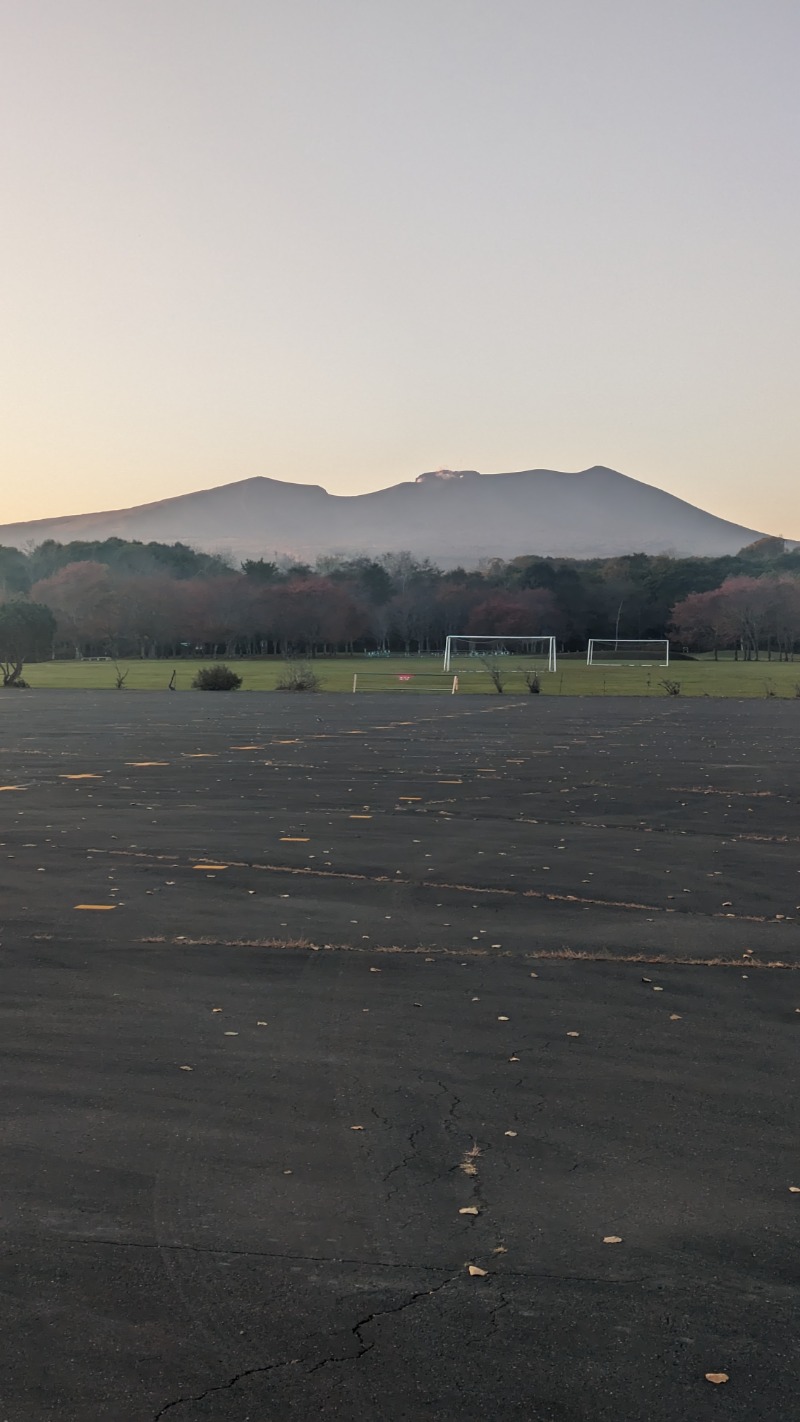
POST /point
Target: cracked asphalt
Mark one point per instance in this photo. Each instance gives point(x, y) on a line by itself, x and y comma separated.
point(341, 1035)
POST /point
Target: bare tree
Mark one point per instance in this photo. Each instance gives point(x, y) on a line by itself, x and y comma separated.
point(495, 673)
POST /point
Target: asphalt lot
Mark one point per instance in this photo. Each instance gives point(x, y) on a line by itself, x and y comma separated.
point(488, 957)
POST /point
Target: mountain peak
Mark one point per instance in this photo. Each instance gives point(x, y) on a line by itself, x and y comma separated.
point(594, 513)
point(444, 475)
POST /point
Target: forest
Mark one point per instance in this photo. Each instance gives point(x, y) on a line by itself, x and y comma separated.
point(149, 600)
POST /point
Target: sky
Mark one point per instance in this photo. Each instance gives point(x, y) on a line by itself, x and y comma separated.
point(341, 242)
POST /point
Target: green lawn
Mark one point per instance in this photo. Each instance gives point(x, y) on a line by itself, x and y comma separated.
point(424, 674)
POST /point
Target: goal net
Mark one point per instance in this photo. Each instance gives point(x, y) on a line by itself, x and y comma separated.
point(540, 650)
point(628, 652)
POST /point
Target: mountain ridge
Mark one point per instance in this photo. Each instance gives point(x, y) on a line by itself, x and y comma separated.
point(452, 516)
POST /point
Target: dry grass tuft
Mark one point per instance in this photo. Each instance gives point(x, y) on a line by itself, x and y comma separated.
point(601, 956)
point(468, 1163)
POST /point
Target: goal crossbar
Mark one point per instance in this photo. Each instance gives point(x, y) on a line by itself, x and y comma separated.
point(545, 642)
point(626, 651)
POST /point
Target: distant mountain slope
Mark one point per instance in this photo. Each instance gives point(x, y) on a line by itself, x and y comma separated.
point(451, 516)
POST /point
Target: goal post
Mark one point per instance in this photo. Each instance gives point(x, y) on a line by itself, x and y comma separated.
point(543, 647)
point(628, 651)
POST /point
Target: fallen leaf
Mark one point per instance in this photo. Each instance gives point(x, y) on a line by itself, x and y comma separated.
point(356, 1128)
point(209, 866)
point(469, 1210)
point(513, 1059)
point(501, 1249)
point(716, 1377)
point(375, 970)
point(573, 1034)
point(216, 1009)
point(231, 1034)
point(475, 1272)
point(534, 975)
point(96, 908)
point(658, 989)
point(186, 1068)
point(612, 1239)
point(675, 1017)
point(262, 1024)
point(503, 1019)
point(794, 1189)
point(511, 1133)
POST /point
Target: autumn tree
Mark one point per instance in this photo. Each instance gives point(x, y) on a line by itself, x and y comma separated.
point(785, 615)
point(84, 601)
point(532, 610)
point(701, 621)
point(152, 612)
point(749, 614)
point(745, 605)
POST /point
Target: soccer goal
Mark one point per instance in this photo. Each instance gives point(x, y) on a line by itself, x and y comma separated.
point(628, 652)
point(543, 648)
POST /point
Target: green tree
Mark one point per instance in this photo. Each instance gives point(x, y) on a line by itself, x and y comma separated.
point(14, 575)
point(26, 635)
point(259, 571)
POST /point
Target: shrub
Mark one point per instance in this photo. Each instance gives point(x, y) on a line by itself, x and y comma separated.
point(298, 676)
point(218, 678)
point(533, 682)
point(671, 688)
point(19, 684)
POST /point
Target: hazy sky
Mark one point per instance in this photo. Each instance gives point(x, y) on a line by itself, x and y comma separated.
point(344, 241)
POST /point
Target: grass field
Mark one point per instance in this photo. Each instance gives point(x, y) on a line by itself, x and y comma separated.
point(703, 677)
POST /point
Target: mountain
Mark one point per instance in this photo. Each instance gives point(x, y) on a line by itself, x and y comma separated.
point(452, 516)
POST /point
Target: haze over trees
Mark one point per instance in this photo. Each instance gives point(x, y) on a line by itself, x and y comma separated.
point(116, 598)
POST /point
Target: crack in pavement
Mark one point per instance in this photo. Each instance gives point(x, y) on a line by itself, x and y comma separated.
point(652, 1278)
point(230, 1252)
point(413, 1136)
point(372, 1318)
point(356, 1332)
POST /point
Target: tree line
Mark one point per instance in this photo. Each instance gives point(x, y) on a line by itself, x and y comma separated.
point(123, 598)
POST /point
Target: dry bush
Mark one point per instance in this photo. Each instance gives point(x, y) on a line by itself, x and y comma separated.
point(298, 676)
